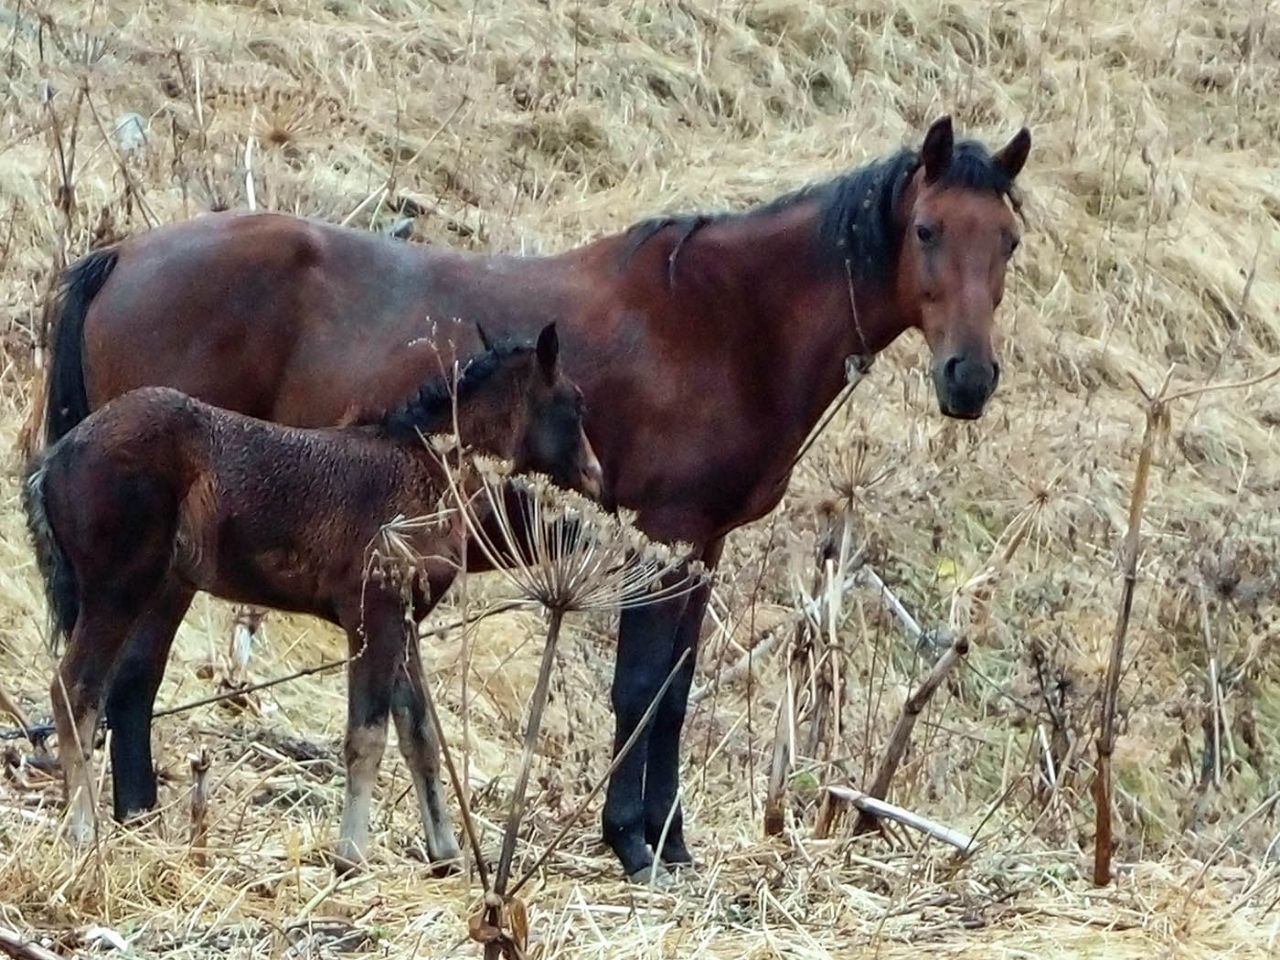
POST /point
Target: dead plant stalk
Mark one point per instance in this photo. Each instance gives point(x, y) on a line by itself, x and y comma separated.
point(979, 589)
point(1157, 421)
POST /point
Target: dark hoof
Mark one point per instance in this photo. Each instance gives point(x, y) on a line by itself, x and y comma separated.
point(133, 810)
point(139, 819)
point(345, 867)
point(676, 855)
point(445, 868)
point(654, 874)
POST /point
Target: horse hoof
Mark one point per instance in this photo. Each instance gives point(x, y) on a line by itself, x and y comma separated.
point(80, 833)
point(678, 858)
point(139, 819)
point(447, 863)
point(348, 861)
point(655, 874)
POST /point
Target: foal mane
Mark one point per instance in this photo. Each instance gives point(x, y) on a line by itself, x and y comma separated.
point(430, 409)
point(858, 210)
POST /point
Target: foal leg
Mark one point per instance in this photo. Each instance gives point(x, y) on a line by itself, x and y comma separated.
point(421, 750)
point(132, 698)
point(662, 773)
point(369, 683)
point(244, 631)
point(76, 693)
point(646, 637)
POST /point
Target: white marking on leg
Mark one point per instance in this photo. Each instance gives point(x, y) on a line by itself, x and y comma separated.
point(244, 633)
point(364, 749)
point(421, 751)
point(75, 746)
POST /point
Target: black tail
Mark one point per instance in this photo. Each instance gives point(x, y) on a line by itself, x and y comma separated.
point(67, 402)
point(60, 587)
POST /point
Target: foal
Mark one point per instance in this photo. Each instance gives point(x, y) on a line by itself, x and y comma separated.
point(157, 495)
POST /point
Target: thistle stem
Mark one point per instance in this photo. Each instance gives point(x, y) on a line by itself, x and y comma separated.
point(532, 729)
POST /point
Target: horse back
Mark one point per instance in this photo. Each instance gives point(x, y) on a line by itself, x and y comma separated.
point(294, 320)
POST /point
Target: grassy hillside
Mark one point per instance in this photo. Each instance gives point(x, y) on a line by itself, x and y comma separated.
point(1152, 245)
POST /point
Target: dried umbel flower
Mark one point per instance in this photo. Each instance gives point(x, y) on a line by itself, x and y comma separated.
point(562, 549)
point(557, 547)
point(394, 558)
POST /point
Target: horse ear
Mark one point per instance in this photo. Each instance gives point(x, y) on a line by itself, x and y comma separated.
point(484, 338)
point(936, 152)
point(548, 349)
point(1013, 155)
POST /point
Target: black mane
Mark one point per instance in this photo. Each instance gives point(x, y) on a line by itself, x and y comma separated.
point(430, 410)
point(858, 216)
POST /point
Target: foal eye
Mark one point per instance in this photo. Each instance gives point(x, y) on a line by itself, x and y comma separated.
point(925, 234)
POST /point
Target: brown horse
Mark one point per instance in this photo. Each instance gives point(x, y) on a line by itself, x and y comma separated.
point(158, 495)
point(707, 348)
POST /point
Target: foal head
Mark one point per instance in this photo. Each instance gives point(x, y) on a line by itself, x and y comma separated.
point(549, 437)
point(959, 231)
point(513, 402)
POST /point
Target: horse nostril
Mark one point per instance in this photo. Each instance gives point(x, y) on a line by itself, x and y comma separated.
point(995, 373)
point(949, 369)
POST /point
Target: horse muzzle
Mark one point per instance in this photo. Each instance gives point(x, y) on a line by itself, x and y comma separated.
point(591, 476)
point(964, 385)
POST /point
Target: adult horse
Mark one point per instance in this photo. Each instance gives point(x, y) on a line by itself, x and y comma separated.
point(707, 347)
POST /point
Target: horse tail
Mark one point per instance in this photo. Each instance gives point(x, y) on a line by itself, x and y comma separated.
point(61, 589)
point(67, 400)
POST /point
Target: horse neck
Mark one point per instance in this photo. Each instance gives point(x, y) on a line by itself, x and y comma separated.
point(487, 423)
point(808, 305)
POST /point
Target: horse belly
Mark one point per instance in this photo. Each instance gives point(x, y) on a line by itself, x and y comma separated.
point(278, 579)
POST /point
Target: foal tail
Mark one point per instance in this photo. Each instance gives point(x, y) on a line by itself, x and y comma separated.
point(61, 590)
point(67, 400)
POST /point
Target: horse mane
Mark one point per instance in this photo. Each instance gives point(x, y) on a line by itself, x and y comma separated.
point(430, 409)
point(858, 216)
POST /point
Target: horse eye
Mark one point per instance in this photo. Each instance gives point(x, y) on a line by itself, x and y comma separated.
point(924, 233)
point(1013, 245)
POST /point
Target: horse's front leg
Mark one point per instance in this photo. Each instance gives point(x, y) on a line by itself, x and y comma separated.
point(646, 638)
point(420, 747)
point(376, 643)
point(662, 809)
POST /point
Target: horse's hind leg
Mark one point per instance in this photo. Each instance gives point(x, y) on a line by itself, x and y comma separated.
point(421, 750)
point(133, 694)
point(77, 692)
point(117, 531)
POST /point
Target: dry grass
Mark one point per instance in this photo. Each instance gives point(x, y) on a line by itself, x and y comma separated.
point(1154, 201)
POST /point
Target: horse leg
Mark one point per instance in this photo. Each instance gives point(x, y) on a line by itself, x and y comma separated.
point(244, 631)
point(369, 684)
point(132, 698)
point(77, 692)
point(421, 750)
point(646, 637)
point(662, 772)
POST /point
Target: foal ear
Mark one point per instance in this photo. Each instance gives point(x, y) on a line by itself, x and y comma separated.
point(1011, 157)
point(484, 338)
point(936, 152)
point(548, 349)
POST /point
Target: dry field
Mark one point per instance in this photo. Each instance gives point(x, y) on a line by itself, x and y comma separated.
point(1152, 243)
